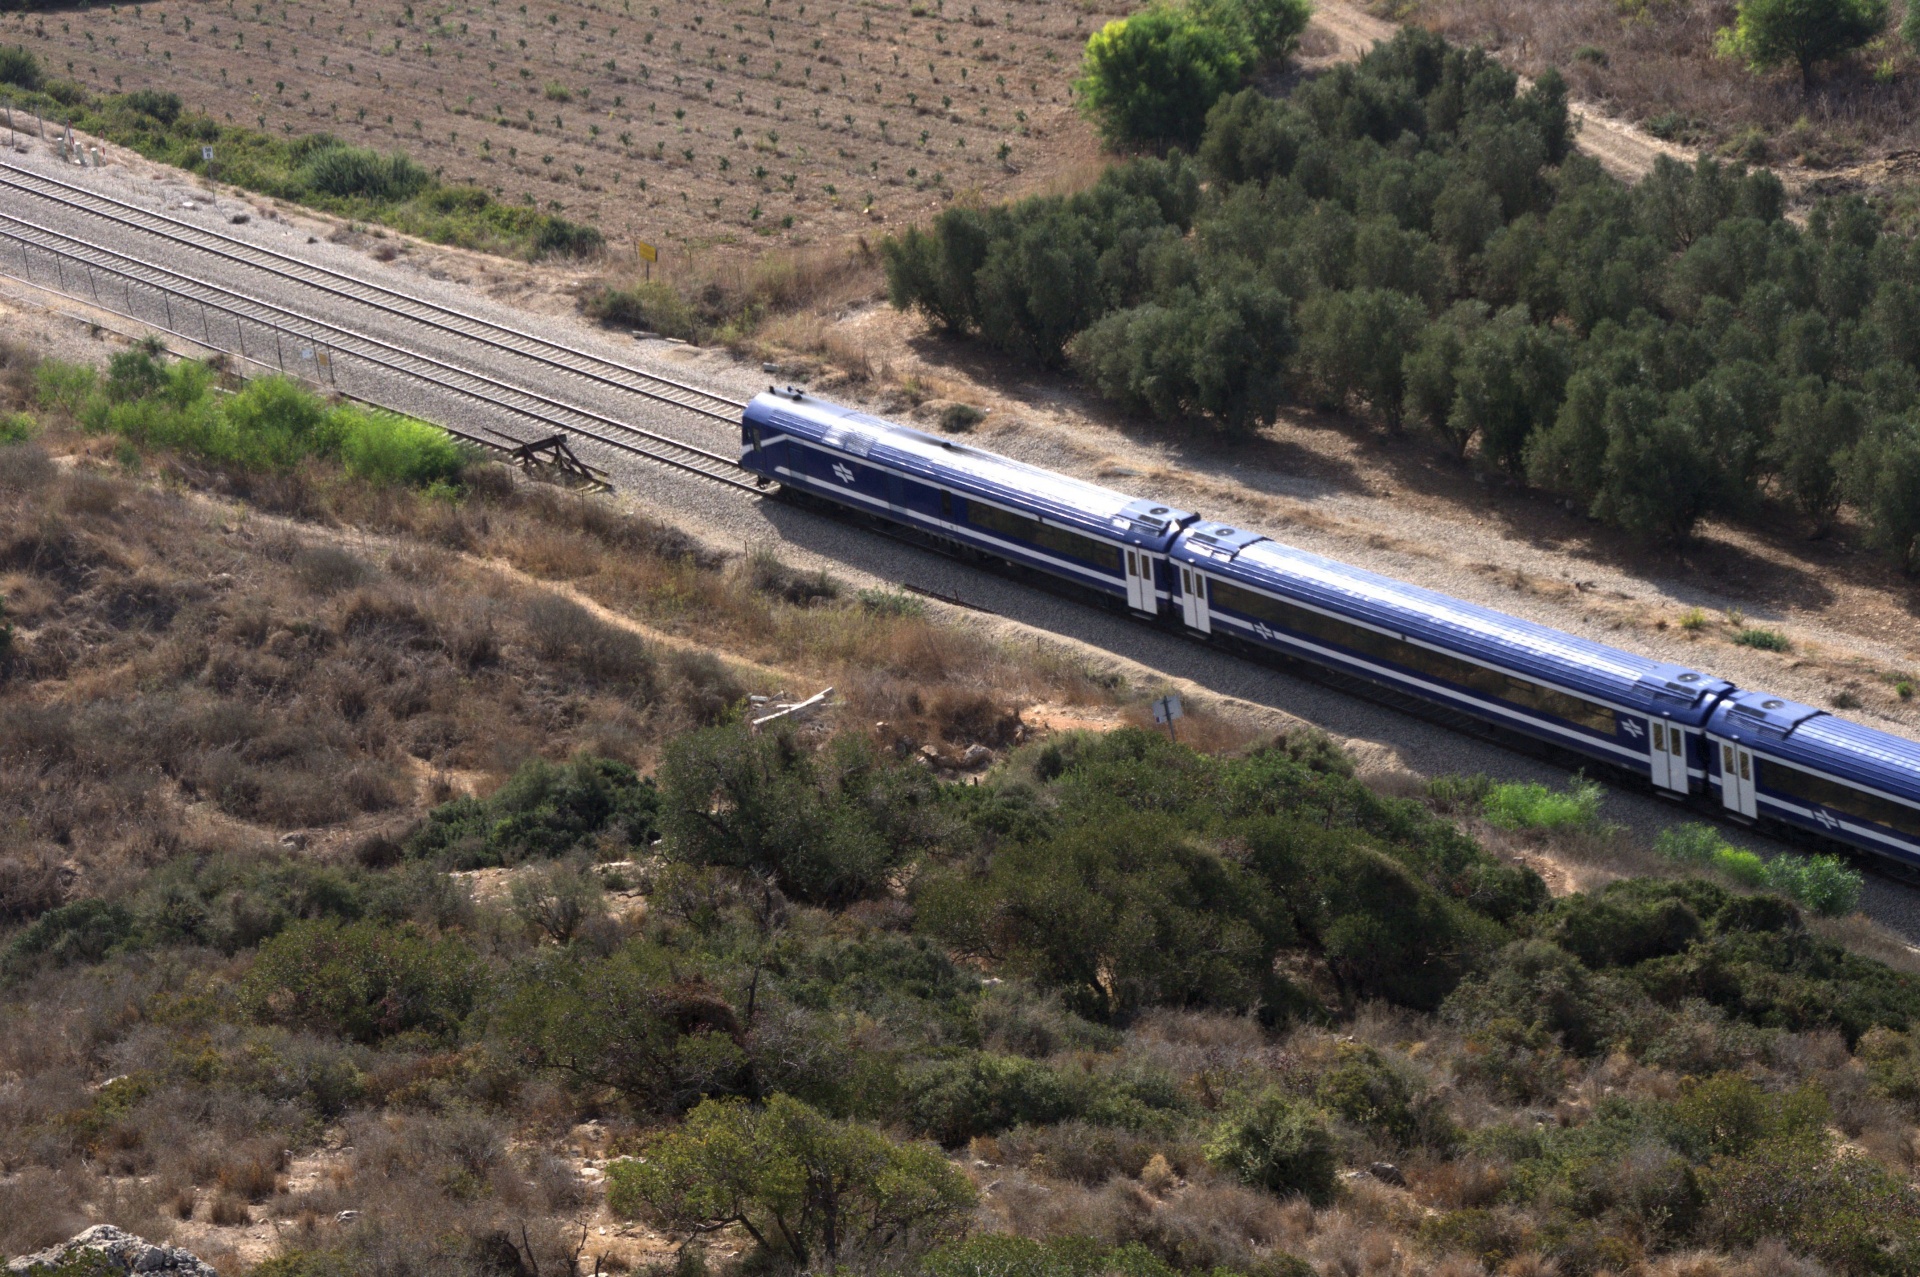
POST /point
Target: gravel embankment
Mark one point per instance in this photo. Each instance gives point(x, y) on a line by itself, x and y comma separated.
point(1385, 738)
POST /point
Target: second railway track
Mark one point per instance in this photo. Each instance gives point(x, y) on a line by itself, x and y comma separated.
point(238, 307)
point(392, 301)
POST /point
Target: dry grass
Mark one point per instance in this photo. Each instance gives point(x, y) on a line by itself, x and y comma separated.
point(307, 653)
point(1654, 64)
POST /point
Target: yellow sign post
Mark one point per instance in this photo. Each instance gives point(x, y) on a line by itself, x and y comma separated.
point(648, 254)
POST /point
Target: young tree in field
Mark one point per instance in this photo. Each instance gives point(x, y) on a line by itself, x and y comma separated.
point(802, 1185)
point(1771, 33)
point(1153, 77)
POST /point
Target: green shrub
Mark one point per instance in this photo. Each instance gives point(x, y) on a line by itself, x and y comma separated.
point(64, 387)
point(980, 1093)
point(1153, 77)
point(1765, 640)
point(1277, 1143)
point(1110, 886)
point(1362, 1087)
point(1694, 845)
point(558, 237)
point(829, 828)
point(1743, 867)
point(1626, 923)
point(1530, 805)
point(1845, 1210)
point(388, 448)
point(82, 931)
point(365, 981)
point(544, 812)
point(631, 1022)
point(333, 168)
point(1823, 884)
point(19, 67)
point(272, 423)
point(800, 1184)
point(164, 107)
point(16, 427)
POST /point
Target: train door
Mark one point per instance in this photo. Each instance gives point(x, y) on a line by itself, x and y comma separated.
point(1140, 581)
point(1736, 778)
point(1193, 600)
point(1667, 751)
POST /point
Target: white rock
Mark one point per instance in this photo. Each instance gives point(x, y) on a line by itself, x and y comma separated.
point(124, 1251)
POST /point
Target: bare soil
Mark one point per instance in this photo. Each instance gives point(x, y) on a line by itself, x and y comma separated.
point(699, 128)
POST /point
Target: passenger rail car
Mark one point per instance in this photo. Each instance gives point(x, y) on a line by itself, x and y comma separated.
point(1749, 755)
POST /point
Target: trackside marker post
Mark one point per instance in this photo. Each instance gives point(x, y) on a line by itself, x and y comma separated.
point(1166, 710)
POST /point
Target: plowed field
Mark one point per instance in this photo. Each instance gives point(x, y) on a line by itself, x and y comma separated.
point(693, 126)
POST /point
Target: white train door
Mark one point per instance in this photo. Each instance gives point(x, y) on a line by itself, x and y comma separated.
point(1193, 600)
point(1139, 581)
point(1667, 752)
point(1736, 778)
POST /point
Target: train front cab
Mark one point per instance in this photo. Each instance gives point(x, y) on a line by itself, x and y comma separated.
point(965, 498)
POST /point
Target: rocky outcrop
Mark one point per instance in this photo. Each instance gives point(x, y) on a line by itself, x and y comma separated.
point(121, 1251)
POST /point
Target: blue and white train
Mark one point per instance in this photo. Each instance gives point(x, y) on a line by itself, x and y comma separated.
point(1758, 757)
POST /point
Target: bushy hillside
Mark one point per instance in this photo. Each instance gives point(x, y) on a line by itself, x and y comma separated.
point(562, 967)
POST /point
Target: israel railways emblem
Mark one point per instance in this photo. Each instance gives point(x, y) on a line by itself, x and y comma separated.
point(1264, 630)
point(1826, 818)
point(843, 471)
point(1632, 727)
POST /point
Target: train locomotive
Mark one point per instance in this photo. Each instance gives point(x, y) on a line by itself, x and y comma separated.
point(1748, 755)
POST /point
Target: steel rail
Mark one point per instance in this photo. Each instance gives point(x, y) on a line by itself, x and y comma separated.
point(501, 442)
point(416, 309)
point(251, 309)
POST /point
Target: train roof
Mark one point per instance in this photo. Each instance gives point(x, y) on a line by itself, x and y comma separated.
point(968, 469)
point(1809, 735)
point(1553, 656)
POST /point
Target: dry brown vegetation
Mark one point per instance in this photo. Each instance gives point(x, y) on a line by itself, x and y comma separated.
point(695, 127)
point(1654, 64)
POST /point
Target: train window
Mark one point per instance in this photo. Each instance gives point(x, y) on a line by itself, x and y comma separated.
point(1133, 566)
point(946, 505)
point(1726, 759)
point(1424, 660)
point(1060, 540)
point(1746, 765)
point(1659, 739)
point(1674, 741)
point(1794, 783)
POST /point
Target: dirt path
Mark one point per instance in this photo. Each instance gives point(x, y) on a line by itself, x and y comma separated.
point(1625, 151)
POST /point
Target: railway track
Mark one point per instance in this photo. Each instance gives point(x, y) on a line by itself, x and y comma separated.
point(237, 310)
point(336, 283)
